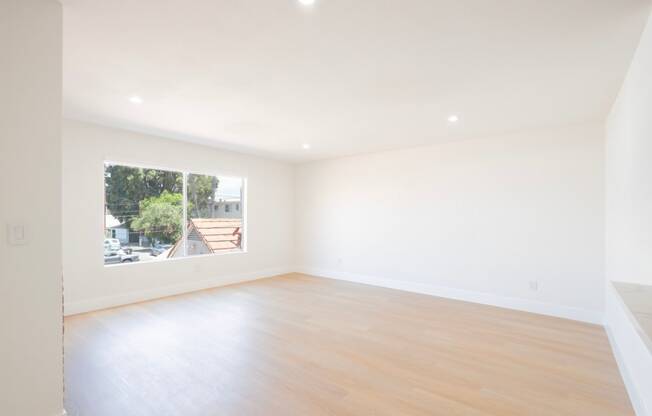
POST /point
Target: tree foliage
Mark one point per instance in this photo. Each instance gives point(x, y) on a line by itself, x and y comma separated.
point(126, 187)
point(150, 200)
point(201, 193)
point(160, 217)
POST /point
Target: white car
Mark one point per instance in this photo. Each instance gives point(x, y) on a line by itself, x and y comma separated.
point(111, 244)
point(120, 256)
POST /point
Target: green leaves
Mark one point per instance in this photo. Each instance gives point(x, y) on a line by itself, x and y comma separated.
point(201, 195)
point(126, 187)
point(161, 217)
point(150, 200)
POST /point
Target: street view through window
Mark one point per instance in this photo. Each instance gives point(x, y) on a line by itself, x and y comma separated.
point(155, 214)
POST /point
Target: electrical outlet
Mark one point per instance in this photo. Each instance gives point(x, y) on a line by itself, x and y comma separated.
point(17, 234)
point(534, 285)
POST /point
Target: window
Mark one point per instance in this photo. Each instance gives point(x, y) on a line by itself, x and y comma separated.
point(211, 230)
point(227, 208)
point(154, 214)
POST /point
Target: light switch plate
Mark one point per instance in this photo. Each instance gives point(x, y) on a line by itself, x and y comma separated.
point(17, 234)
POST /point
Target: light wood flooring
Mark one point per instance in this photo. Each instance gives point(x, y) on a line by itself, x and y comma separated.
point(299, 345)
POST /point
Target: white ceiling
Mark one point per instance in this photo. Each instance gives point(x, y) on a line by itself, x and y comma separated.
point(347, 77)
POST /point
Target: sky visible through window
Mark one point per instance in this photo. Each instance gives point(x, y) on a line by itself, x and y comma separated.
point(144, 214)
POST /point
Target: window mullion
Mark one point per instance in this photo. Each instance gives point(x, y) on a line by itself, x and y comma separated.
point(184, 226)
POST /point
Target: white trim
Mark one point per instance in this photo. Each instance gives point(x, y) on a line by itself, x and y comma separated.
point(632, 319)
point(184, 214)
point(171, 259)
point(630, 350)
point(527, 305)
point(630, 385)
point(243, 209)
point(184, 173)
point(219, 174)
point(73, 308)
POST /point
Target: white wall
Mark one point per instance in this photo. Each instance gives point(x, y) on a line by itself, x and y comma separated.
point(476, 219)
point(31, 380)
point(632, 354)
point(629, 173)
point(629, 217)
point(89, 285)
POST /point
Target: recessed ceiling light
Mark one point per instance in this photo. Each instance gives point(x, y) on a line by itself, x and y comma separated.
point(307, 2)
point(305, 146)
point(135, 99)
point(453, 118)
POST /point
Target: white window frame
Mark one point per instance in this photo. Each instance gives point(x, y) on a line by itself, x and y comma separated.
point(184, 172)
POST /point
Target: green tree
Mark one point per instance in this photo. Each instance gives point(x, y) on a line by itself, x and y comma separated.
point(201, 194)
point(126, 187)
point(160, 217)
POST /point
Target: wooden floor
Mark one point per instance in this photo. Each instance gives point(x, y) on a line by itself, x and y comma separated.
point(297, 345)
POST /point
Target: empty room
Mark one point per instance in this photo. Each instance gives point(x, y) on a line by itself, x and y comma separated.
point(326, 207)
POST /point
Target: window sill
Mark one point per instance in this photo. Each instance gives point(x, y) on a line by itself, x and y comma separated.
point(637, 299)
point(175, 259)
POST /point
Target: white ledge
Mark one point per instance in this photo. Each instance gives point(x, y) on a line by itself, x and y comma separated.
point(637, 300)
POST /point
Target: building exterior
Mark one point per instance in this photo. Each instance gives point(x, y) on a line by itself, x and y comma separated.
point(228, 208)
point(113, 228)
point(209, 236)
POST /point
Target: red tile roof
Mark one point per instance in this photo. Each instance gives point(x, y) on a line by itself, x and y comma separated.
point(217, 233)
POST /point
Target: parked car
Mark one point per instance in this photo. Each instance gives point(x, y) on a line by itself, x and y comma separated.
point(112, 244)
point(159, 248)
point(120, 256)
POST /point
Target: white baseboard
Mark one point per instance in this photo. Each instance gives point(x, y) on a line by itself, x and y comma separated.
point(633, 356)
point(527, 305)
point(630, 385)
point(73, 308)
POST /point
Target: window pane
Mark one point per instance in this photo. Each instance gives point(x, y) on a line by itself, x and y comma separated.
point(213, 226)
point(143, 213)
